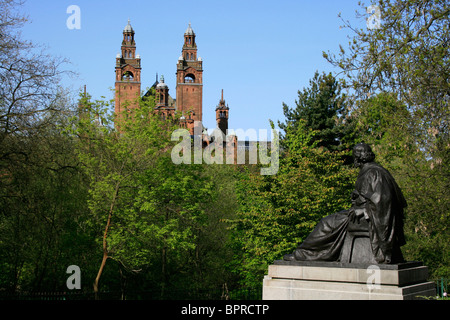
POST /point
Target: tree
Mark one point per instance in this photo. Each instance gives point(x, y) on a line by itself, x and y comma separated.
point(153, 213)
point(407, 55)
point(42, 208)
point(114, 161)
point(29, 78)
point(40, 186)
point(399, 77)
point(384, 122)
point(323, 107)
point(277, 212)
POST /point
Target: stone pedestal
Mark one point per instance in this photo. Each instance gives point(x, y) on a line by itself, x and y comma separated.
point(309, 280)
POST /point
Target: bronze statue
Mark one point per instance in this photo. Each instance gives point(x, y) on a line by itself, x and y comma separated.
point(377, 211)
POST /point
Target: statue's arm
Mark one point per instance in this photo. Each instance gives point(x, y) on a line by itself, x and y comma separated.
point(355, 213)
point(361, 196)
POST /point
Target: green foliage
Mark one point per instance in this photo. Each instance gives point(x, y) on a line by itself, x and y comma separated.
point(399, 75)
point(324, 108)
point(75, 187)
point(277, 212)
point(385, 123)
point(407, 55)
point(425, 183)
point(118, 165)
point(149, 213)
point(42, 211)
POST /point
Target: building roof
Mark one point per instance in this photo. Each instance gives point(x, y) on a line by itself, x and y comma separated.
point(189, 30)
point(161, 84)
point(128, 27)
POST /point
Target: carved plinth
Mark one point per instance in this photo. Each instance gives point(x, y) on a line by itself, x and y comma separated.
point(307, 280)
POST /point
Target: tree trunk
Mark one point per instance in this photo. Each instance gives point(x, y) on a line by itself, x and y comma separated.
point(97, 279)
point(123, 281)
point(105, 246)
point(164, 262)
point(163, 269)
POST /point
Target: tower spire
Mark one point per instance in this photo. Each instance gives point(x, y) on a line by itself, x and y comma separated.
point(128, 73)
point(189, 30)
point(128, 27)
point(190, 78)
point(222, 114)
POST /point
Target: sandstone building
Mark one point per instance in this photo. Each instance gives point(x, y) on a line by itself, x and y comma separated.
point(189, 84)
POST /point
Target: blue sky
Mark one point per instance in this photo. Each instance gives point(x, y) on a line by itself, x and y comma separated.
point(259, 52)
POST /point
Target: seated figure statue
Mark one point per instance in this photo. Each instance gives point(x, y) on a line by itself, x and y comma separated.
point(377, 207)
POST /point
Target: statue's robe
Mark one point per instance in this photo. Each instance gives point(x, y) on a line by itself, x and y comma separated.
point(376, 198)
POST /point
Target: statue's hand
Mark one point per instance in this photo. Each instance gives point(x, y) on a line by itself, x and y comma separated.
point(355, 214)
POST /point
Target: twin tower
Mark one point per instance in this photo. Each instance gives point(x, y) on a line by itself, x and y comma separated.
point(189, 79)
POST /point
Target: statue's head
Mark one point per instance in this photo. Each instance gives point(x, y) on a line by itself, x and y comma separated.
point(362, 153)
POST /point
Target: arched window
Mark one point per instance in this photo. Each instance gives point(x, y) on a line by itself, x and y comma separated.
point(127, 76)
point(190, 78)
